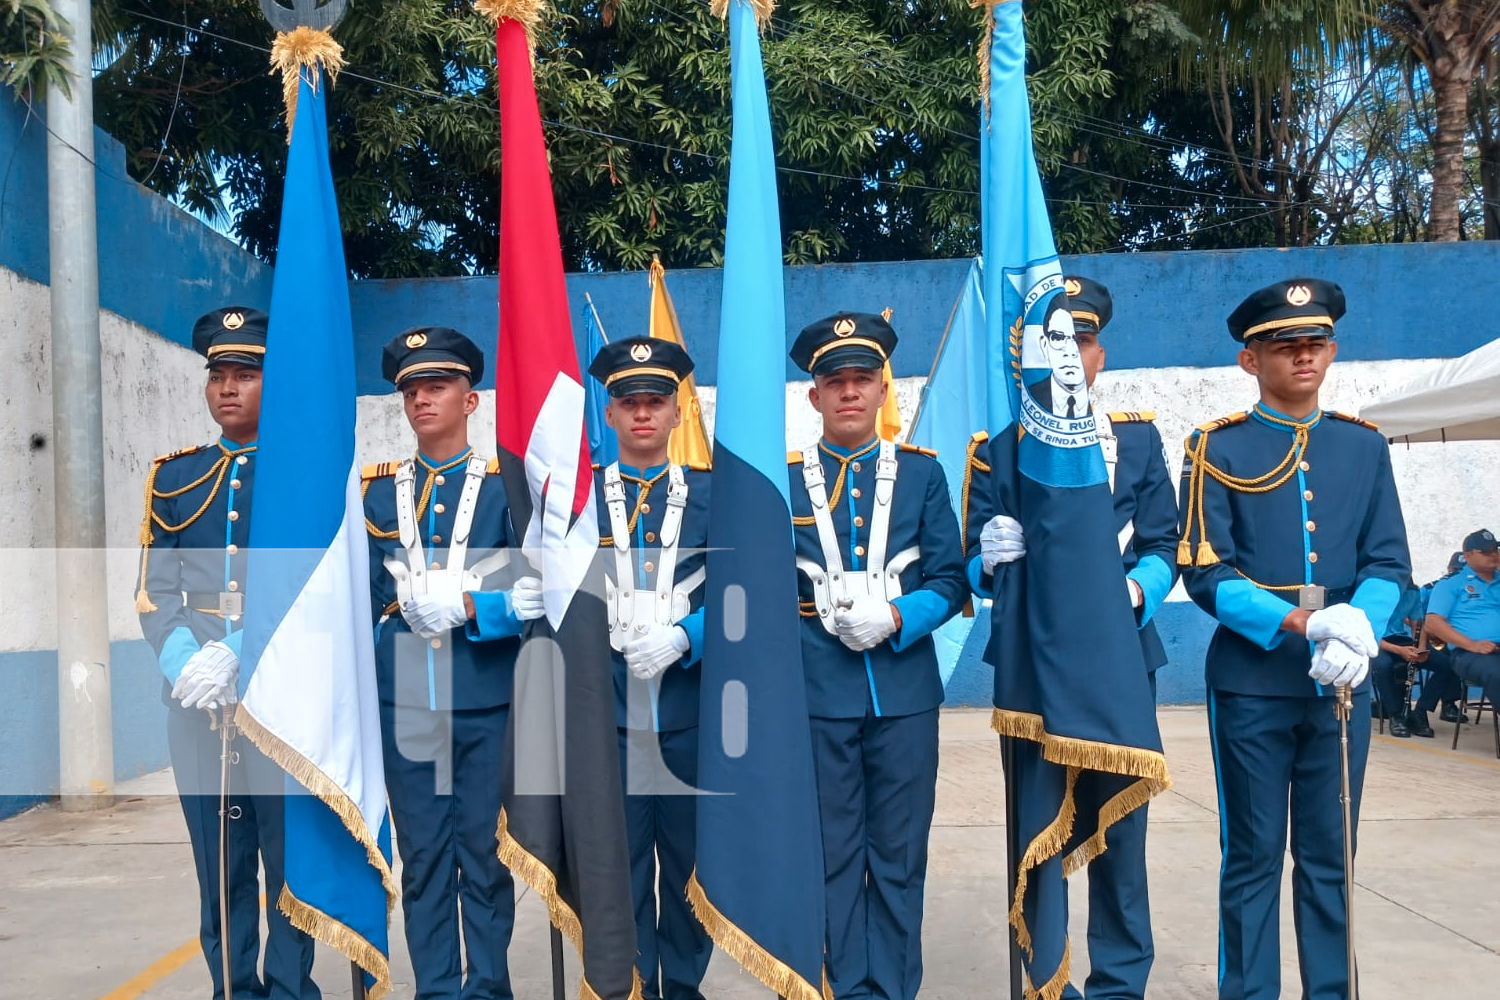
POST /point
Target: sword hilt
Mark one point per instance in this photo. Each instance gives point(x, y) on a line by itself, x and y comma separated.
point(1343, 703)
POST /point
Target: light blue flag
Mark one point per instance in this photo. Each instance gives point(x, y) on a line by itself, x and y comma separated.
point(758, 884)
point(953, 407)
point(307, 672)
point(604, 447)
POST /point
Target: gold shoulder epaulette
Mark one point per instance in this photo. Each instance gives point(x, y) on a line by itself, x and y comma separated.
point(189, 450)
point(1233, 418)
point(979, 437)
point(492, 467)
point(929, 452)
point(794, 458)
point(1132, 416)
point(378, 471)
point(1351, 419)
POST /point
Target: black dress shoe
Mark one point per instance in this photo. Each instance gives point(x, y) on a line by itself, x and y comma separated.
point(1417, 724)
point(1450, 714)
point(1399, 730)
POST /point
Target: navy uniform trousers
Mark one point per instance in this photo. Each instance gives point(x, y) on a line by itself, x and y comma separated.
point(256, 835)
point(662, 827)
point(448, 844)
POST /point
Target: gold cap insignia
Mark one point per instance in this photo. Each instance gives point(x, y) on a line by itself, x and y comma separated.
point(234, 320)
point(416, 340)
point(843, 327)
point(1073, 286)
point(1298, 295)
point(641, 352)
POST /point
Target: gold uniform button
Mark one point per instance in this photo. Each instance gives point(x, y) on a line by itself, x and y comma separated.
point(436, 539)
point(234, 585)
point(438, 508)
point(857, 467)
point(439, 480)
point(1312, 557)
point(1307, 494)
point(1312, 525)
point(859, 522)
point(234, 484)
point(437, 644)
point(650, 536)
point(436, 564)
point(859, 550)
point(242, 460)
point(1303, 466)
point(855, 493)
point(233, 550)
point(645, 508)
point(234, 515)
point(650, 566)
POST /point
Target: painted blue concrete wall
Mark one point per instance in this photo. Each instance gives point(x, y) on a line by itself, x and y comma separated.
point(28, 721)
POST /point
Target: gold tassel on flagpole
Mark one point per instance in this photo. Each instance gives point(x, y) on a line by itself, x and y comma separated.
point(294, 50)
point(527, 12)
point(763, 9)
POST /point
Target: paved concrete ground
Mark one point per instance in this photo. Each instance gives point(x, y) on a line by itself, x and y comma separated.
point(103, 907)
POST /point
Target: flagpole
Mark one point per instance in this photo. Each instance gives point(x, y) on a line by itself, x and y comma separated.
point(936, 358)
point(597, 321)
point(559, 992)
point(1012, 858)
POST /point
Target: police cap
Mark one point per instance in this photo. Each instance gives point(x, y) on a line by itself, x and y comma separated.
point(232, 335)
point(431, 352)
point(1482, 540)
point(1299, 307)
point(1089, 302)
point(641, 364)
point(844, 340)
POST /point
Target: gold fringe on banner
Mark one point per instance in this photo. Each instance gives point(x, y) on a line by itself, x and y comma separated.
point(527, 12)
point(763, 9)
point(744, 949)
point(303, 48)
point(310, 920)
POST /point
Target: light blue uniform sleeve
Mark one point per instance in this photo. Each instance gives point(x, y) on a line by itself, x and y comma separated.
point(493, 617)
point(1155, 578)
point(1377, 598)
point(693, 626)
point(921, 613)
point(1253, 613)
point(176, 651)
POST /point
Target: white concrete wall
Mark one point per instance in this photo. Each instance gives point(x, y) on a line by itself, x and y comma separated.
point(154, 403)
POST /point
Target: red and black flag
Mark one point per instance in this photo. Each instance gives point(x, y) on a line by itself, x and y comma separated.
point(562, 825)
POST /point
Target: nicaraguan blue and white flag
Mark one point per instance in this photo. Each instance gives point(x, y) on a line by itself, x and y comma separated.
point(307, 668)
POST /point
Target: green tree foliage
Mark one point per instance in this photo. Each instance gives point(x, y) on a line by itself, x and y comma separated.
point(34, 50)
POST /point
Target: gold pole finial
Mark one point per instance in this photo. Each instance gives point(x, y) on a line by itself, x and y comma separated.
point(301, 49)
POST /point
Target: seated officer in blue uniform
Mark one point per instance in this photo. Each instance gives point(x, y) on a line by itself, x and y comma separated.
point(1400, 655)
point(1293, 540)
point(1464, 612)
point(879, 567)
point(445, 651)
point(653, 521)
point(191, 600)
point(1145, 518)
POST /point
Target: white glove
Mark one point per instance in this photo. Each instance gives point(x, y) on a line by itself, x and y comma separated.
point(1137, 596)
point(865, 624)
point(526, 599)
point(655, 651)
point(1336, 665)
point(435, 613)
point(1345, 623)
point(1001, 541)
point(210, 678)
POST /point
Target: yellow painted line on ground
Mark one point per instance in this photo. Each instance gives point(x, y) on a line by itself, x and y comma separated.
point(155, 972)
point(1412, 744)
point(160, 969)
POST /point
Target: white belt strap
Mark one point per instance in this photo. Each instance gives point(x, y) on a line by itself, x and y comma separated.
point(880, 517)
point(1110, 445)
point(666, 602)
point(411, 575)
point(671, 531)
point(463, 517)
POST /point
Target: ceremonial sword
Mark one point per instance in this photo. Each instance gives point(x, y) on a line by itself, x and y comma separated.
point(227, 757)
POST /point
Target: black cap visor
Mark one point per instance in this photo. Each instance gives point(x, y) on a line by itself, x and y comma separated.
point(235, 358)
point(655, 385)
point(852, 356)
point(419, 372)
point(1294, 333)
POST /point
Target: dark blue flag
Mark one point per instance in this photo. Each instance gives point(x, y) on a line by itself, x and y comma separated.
point(758, 886)
point(1071, 688)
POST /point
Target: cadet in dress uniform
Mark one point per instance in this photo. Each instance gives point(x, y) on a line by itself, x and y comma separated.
point(191, 600)
point(1293, 539)
point(445, 652)
point(879, 567)
point(653, 520)
point(1145, 517)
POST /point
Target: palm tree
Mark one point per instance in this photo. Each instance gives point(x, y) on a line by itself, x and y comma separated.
point(1450, 38)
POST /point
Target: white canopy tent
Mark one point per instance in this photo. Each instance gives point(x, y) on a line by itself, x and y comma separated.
point(1457, 401)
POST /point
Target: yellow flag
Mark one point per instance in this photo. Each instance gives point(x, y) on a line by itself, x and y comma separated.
point(889, 424)
point(689, 443)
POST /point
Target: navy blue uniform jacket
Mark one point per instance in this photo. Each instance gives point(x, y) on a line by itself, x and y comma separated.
point(899, 676)
point(1335, 520)
point(471, 667)
point(673, 696)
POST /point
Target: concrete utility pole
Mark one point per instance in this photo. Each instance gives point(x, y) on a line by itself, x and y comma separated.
point(86, 750)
